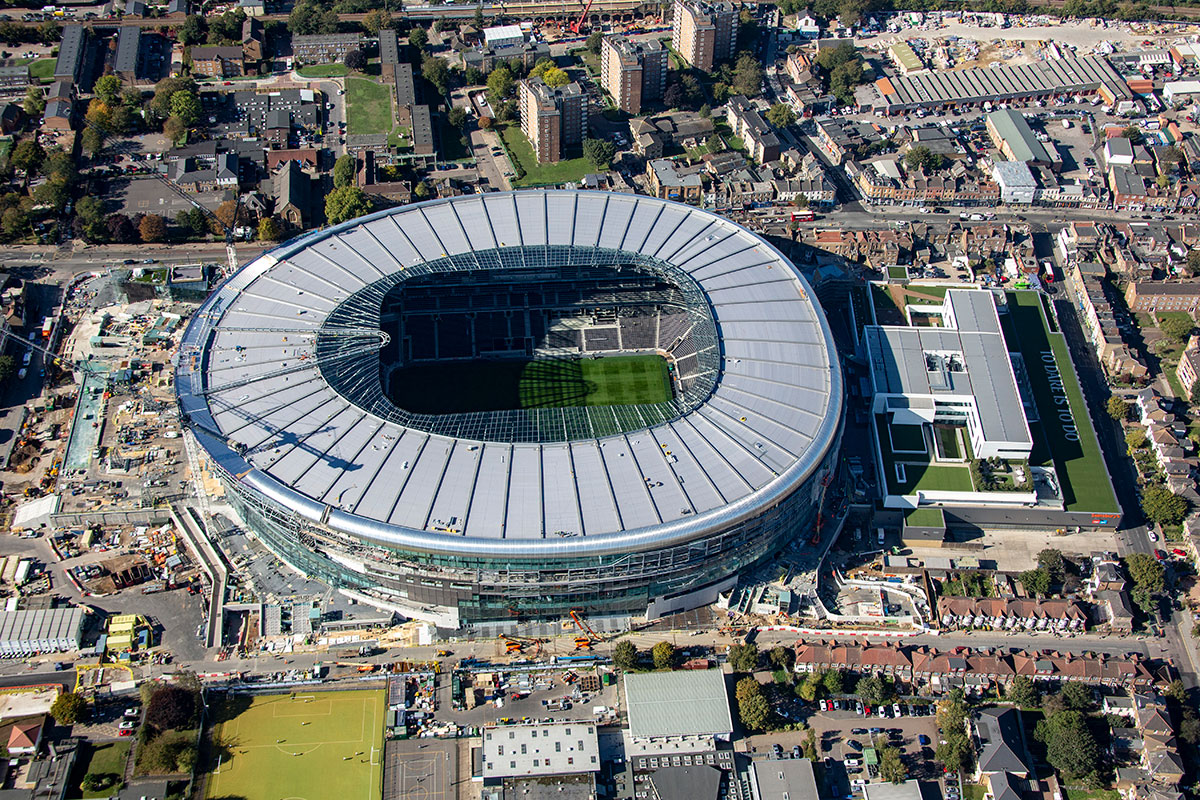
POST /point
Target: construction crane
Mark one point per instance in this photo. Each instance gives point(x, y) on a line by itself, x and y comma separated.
point(816, 537)
point(584, 642)
point(577, 26)
point(517, 644)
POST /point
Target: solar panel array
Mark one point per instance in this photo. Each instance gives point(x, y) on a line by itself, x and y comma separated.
point(769, 416)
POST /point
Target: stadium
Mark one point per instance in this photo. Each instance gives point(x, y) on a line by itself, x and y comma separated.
point(513, 405)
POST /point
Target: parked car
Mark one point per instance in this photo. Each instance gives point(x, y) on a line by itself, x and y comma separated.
point(127, 726)
point(923, 739)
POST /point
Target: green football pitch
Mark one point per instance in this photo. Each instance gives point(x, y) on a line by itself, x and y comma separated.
point(456, 387)
point(302, 746)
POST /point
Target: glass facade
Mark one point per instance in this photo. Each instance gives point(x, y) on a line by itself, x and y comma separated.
point(488, 589)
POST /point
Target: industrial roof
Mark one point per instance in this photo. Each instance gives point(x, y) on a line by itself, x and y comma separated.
point(968, 357)
point(998, 83)
point(1014, 130)
point(771, 418)
point(71, 52)
point(681, 703)
point(784, 779)
point(540, 749)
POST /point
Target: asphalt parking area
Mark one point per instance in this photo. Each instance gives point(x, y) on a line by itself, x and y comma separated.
point(420, 769)
point(838, 733)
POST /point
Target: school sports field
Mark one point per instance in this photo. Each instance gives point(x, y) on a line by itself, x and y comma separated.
point(456, 387)
point(306, 746)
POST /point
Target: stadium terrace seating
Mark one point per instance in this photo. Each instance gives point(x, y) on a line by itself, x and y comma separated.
point(639, 332)
point(600, 339)
point(561, 338)
point(671, 326)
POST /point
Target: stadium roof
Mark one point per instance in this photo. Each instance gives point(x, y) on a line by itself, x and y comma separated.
point(771, 418)
point(680, 703)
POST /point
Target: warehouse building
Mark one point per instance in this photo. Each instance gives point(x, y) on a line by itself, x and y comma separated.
point(688, 709)
point(1013, 137)
point(970, 87)
point(47, 630)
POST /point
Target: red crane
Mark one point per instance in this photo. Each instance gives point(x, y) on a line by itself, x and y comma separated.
point(577, 25)
point(584, 642)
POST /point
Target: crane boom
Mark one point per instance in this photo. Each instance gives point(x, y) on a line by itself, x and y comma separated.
point(577, 25)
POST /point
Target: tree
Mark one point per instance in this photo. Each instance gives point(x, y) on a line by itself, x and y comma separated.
point(377, 20)
point(28, 156)
point(186, 106)
point(1189, 727)
point(152, 228)
point(35, 102)
point(192, 30)
point(555, 77)
point(168, 753)
point(7, 365)
point(1162, 506)
point(1133, 133)
point(1076, 696)
point(435, 71)
point(873, 689)
point(599, 151)
point(1193, 263)
point(194, 221)
point(108, 90)
point(421, 190)
point(954, 752)
point(355, 59)
point(891, 768)
point(174, 128)
point(1117, 408)
point(663, 654)
point(593, 42)
point(743, 657)
point(753, 709)
point(68, 708)
point(809, 688)
point(1176, 691)
point(164, 90)
point(343, 171)
point(747, 76)
point(346, 203)
point(500, 85)
point(674, 96)
point(781, 657)
point(1145, 571)
point(172, 708)
point(120, 229)
point(1036, 582)
point(625, 655)
point(14, 222)
point(1053, 562)
point(418, 39)
point(54, 192)
point(1070, 747)
point(833, 681)
point(1022, 692)
point(844, 78)
point(308, 17)
point(89, 211)
point(92, 141)
point(781, 115)
point(921, 159)
point(270, 229)
point(1177, 328)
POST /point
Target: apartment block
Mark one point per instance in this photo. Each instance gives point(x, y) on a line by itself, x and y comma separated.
point(632, 72)
point(553, 119)
point(704, 33)
point(324, 48)
point(218, 62)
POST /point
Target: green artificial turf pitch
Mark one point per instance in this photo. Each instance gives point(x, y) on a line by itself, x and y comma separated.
point(458, 387)
point(301, 746)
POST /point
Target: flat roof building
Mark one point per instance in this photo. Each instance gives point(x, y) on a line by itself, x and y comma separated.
point(783, 779)
point(503, 36)
point(905, 58)
point(959, 373)
point(704, 33)
point(687, 705)
point(540, 750)
point(554, 119)
point(1016, 182)
point(632, 72)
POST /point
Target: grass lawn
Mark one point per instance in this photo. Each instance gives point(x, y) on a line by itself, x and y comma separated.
point(256, 741)
point(42, 69)
point(919, 476)
point(543, 383)
point(925, 518)
point(886, 310)
point(324, 71)
point(453, 148)
point(399, 137)
point(929, 291)
point(948, 439)
point(1081, 793)
point(589, 60)
point(973, 791)
point(572, 169)
point(368, 107)
point(909, 438)
point(107, 757)
point(897, 272)
point(1079, 464)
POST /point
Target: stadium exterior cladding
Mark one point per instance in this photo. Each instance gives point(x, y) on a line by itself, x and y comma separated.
point(644, 515)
